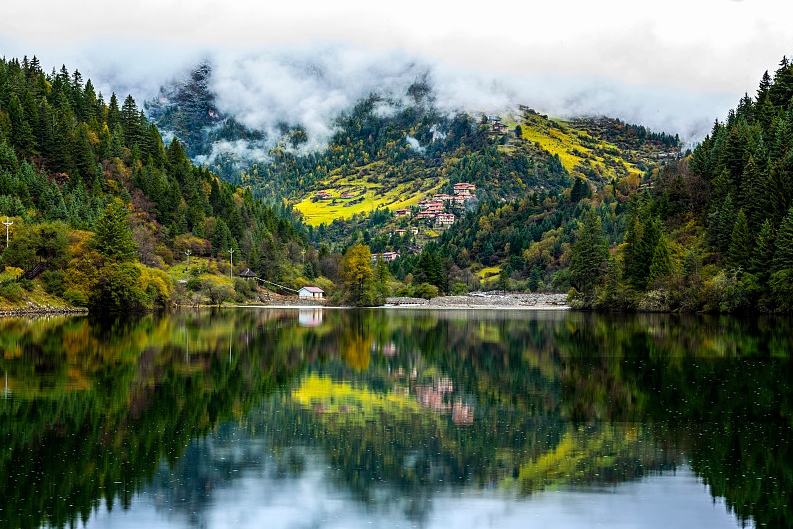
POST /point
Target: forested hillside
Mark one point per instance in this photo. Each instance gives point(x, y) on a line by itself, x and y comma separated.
point(104, 213)
point(711, 231)
point(715, 230)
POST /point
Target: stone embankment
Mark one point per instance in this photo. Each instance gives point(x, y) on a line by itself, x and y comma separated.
point(42, 310)
point(486, 300)
point(295, 302)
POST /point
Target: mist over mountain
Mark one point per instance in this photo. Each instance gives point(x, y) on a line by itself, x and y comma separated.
point(241, 104)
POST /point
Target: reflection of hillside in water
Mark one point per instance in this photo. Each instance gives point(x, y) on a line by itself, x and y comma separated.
point(402, 405)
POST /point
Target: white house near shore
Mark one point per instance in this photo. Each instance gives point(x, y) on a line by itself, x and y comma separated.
point(310, 293)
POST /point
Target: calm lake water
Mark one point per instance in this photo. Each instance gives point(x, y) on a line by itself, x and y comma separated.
point(318, 418)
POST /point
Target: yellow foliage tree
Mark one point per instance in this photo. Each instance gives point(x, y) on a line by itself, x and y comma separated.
point(357, 276)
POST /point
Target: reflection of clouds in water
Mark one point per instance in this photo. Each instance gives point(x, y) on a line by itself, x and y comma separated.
point(310, 499)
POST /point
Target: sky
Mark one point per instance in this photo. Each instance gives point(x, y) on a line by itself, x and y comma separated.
point(675, 65)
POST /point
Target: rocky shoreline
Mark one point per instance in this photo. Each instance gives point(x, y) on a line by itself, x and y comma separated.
point(485, 300)
point(478, 300)
point(43, 311)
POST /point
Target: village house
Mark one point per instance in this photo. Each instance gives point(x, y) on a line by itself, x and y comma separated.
point(400, 232)
point(445, 219)
point(402, 212)
point(310, 293)
point(385, 256)
point(462, 198)
point(464, 187)
point(323, 195)
point(496, 127)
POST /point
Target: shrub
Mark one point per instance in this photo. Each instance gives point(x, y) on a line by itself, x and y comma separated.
point(52, 281)
point(216, 290)
point(426, 291)
point(12, 291)
point(459, 289)
point(242, 288)
point(75, 298)
point(193, 284)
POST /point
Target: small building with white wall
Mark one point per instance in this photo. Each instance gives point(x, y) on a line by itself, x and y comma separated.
point(310, 293)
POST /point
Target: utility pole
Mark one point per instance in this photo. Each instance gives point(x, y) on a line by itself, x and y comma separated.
point(188, 253)
point(7, 224)
point(231, 268)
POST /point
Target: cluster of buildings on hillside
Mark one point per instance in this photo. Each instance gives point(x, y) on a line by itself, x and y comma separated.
point(434, 211)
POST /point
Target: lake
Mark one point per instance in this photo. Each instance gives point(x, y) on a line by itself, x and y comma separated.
point(330, 418)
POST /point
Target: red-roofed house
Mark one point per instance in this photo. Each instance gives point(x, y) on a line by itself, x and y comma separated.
point(310, 293)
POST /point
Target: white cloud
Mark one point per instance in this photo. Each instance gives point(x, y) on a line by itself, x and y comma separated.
point(675, 66)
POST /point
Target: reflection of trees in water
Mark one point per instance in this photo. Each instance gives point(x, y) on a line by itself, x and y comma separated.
point(718, 387)
point(64, 451)
point(105, 401)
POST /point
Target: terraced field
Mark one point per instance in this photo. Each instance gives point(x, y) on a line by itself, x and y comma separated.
point(360, 196)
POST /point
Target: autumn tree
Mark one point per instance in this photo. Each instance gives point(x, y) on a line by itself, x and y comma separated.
point(357, 276)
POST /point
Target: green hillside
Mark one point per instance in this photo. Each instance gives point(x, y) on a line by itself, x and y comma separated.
point(371, 159)
point(712, 231)
point(100, 210)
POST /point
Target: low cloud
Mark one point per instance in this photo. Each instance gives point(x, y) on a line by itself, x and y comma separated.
point(309, 85)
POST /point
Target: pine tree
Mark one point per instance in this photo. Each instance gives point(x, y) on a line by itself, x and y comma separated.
point(130, 121)
point(781, 280)
point(534, 278)
point(113, 113)
point(21, 130)
point(661, 266)
point(588, 254)
point(725, 224)
point(644, 252)
point(765, 85)
point(763, 255)
point(83, 153)
point(741, 243)
point(112, 234)
point(381, 278)
point(783, 247)
point(579, 190)
point(753, 194)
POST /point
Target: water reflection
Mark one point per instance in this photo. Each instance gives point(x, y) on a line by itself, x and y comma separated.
point(390, 413)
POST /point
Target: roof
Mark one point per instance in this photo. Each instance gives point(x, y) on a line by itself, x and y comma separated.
point(315, 290)
point(248, 273)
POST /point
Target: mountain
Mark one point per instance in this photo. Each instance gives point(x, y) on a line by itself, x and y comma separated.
point(393, 150)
